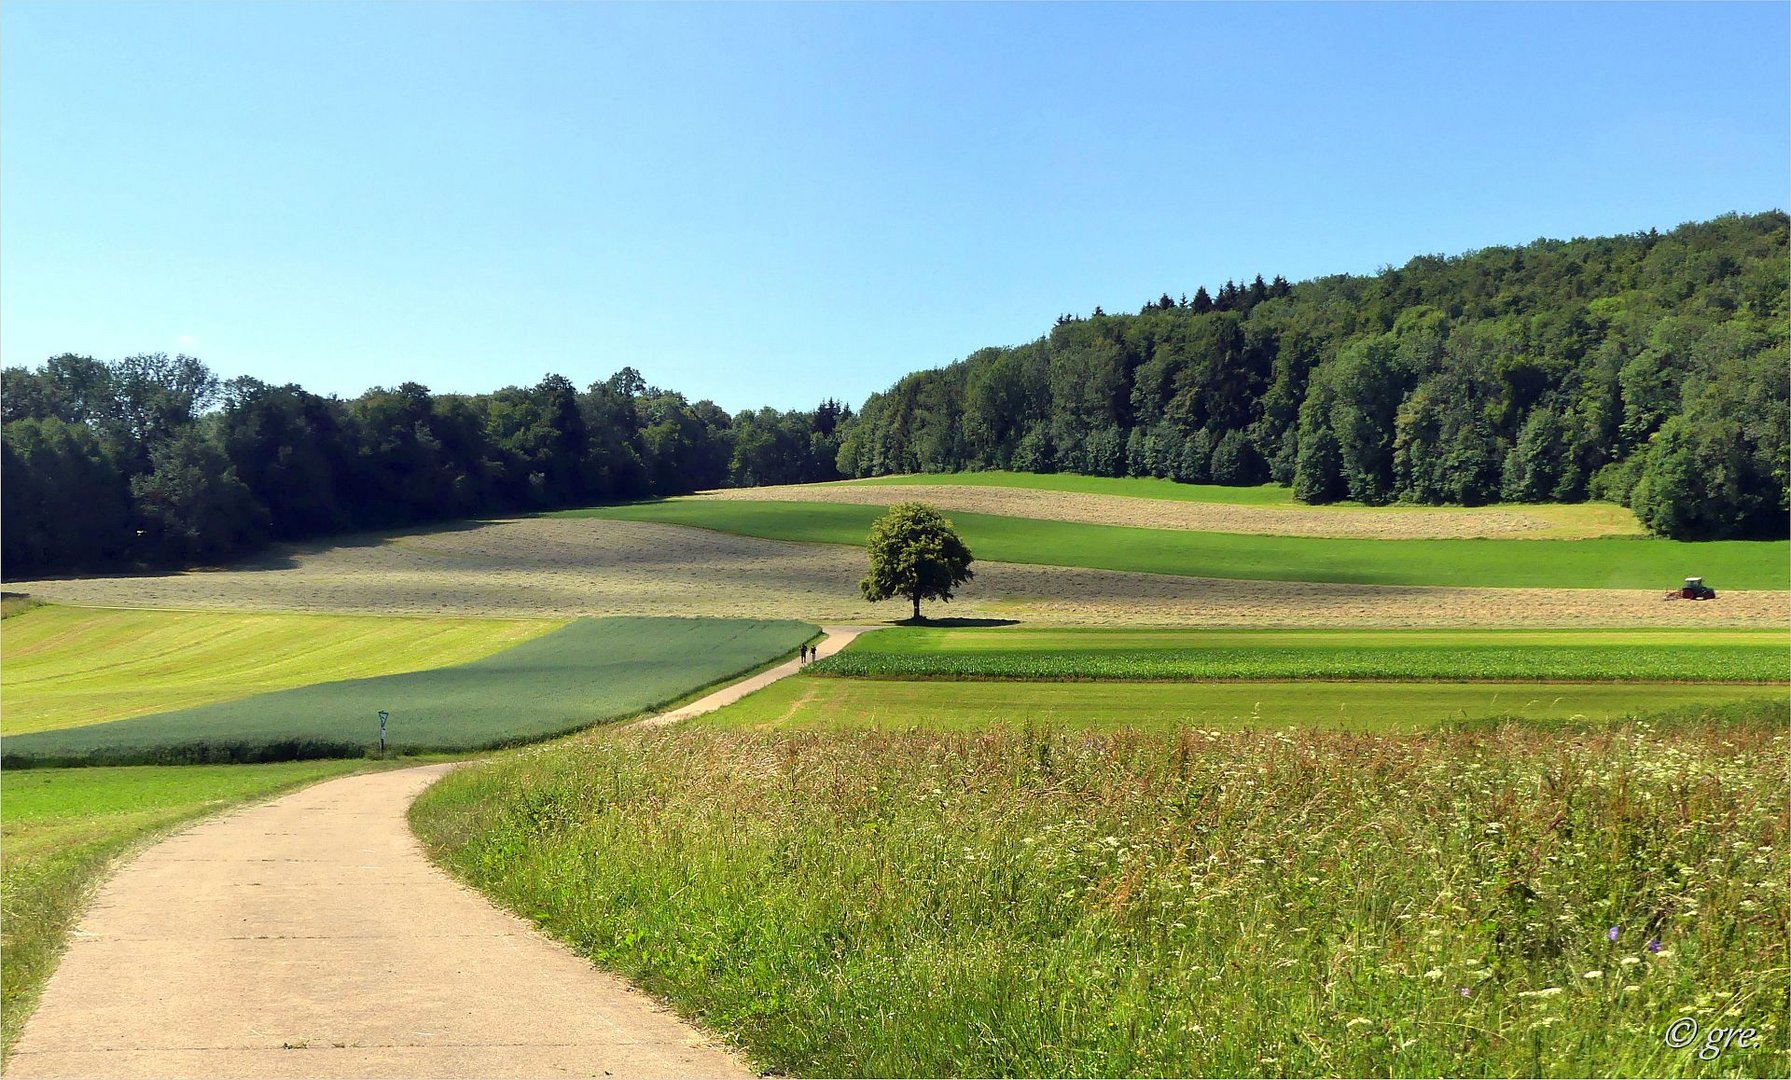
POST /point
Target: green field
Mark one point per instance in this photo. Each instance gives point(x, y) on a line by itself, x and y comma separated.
point(589, 671)
point(67, 667)
point(847, 704)
point(1016, 903)
point(1455, 655)
point(1622, 563)
point(61, 830)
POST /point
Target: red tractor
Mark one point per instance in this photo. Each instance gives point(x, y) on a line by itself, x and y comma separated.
point(1693, 589)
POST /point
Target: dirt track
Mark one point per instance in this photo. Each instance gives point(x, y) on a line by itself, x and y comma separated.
point(565, 567)
point(1384, 523)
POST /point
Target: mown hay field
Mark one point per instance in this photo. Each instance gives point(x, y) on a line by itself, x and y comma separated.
point(1206, 509)
point(561, 568)
point(833, 704)
point(587, 672)
point(1480, 655)
point(1625, 563)
point(1510, 901)
point(1136, 487)
point(66, 667)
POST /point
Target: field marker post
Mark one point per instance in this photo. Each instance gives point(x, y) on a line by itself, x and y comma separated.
point(382, 730)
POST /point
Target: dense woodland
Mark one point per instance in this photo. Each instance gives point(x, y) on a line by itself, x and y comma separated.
point(1647, 369)
point(152, 460)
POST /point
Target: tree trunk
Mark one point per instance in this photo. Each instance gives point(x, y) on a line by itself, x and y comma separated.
point(916, 599)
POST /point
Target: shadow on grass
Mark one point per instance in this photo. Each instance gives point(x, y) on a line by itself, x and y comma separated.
point(955, 623)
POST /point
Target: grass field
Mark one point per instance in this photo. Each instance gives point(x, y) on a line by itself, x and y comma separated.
point(888, 704)
point(1512, 901)
point(1162, 504)
point(61, 829)
point(589, 671)
point(1553, 656)
point(66, 667)
point(1579, 564)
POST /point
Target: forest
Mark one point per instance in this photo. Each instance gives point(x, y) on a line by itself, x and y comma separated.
point(1648, 369)
point(152, 460)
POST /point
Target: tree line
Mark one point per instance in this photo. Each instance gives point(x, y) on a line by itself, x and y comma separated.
point(152, 460)
point(1648, 369)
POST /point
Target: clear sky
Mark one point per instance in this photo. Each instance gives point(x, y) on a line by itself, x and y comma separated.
point(773, 204)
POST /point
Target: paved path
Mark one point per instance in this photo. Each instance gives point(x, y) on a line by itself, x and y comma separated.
point(838, 637)
point(309, 936)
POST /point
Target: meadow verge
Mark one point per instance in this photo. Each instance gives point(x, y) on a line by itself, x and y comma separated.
point(1512, 900)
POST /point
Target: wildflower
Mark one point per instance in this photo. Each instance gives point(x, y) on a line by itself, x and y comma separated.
point(1547, 991)
point(1465, 991)
point(1611, 934)
point(1593, 974)
point(1654, 945)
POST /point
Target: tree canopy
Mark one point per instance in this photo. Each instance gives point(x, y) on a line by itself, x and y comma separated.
point(151, 460)
point(915, 554)
point(1648, 369)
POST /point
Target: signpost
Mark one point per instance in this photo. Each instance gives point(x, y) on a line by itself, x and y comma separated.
point(382, 730)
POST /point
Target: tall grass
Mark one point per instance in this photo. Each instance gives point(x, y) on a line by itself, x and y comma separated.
point(1478, 902)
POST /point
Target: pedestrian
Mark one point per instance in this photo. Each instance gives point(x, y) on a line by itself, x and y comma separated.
point(804, 659)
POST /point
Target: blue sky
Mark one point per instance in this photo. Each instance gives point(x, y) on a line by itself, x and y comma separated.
point(773, 204)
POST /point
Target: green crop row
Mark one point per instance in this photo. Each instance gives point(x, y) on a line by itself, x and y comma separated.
point(1618, 663)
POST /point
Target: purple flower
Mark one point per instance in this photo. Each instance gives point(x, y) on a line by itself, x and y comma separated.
point(1654, 945)
point(1612, 933)
point(1464, 991)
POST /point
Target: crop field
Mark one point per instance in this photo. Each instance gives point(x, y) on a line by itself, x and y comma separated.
point(1151, 508)
point(1625, 563)
point(562, 568)
point(67, 667)
point(853, 704)
point(1507, 900)
point(61, 830)
point(1454, 655)
point(590, 671)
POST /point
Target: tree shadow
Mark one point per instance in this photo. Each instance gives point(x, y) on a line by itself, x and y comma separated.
point(953, 622)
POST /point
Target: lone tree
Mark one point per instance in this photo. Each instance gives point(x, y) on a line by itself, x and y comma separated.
point(916, 554)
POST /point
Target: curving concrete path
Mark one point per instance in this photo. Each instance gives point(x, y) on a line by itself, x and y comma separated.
point(310, 936)
point(838, 637)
